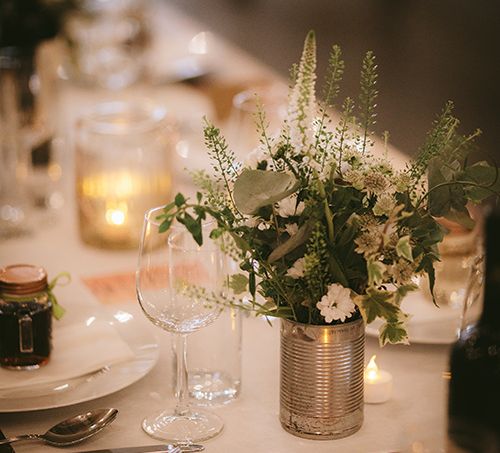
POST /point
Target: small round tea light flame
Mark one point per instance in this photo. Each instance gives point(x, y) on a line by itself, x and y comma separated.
point(378, 383)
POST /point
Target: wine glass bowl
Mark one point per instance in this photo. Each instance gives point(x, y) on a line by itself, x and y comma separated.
point(177, 281)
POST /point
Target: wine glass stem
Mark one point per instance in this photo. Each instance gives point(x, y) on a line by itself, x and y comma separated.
point(181, 389)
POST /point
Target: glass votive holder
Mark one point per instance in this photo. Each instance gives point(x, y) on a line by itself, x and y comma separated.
point(214, 360)
point(458, 284)
point(123, 152)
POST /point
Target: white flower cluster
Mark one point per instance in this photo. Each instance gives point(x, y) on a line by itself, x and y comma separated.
point(336, 304)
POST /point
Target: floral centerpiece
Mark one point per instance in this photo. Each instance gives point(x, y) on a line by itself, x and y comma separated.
point(326, 230)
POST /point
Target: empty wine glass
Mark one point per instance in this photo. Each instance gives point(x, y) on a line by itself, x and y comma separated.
point(175, 277)
point(242, 131)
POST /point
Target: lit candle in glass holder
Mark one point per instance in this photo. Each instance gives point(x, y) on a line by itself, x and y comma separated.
point(122, 170)
point(378, 383)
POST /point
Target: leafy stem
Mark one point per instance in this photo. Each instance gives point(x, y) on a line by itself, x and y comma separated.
point(457, 182)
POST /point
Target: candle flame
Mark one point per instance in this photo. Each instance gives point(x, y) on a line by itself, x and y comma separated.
point(116, 213)
point(372, 369)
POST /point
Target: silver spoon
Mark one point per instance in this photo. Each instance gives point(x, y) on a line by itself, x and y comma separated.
point(73, 430)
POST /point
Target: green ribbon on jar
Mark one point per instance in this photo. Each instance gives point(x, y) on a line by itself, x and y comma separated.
point(57, 310)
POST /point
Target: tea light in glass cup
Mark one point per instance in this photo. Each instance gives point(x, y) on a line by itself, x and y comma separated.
point(123, 159)
point(378, 383)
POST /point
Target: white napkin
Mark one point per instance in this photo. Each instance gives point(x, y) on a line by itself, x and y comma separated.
point(78, 349)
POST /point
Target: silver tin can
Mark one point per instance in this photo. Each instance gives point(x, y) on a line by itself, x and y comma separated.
point(321, 382)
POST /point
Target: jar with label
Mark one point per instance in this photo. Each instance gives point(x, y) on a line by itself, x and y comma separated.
point(25, 317)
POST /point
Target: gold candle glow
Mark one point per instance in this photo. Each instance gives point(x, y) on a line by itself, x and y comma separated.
point(122, 170)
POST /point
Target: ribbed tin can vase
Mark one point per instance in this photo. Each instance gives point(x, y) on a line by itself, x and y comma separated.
point(321, 385)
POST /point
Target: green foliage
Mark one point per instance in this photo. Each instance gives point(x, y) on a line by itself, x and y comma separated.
point(403, 248)
point(378, 304)
point(238, 283)
point(393, 332)
point(368, 96)
point(316, 268)
point(318, 223)
point(334, 74)
point(254, 189)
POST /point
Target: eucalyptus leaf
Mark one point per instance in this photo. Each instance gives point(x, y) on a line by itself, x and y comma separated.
point(254, 189)
point(292, 243)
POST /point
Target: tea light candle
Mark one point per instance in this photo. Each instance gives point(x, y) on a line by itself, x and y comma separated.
point(378, 383)
point(112, 204)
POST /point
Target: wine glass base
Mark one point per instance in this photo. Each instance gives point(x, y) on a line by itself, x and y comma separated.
point(190, 428)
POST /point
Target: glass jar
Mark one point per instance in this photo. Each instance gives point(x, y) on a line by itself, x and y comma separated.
point(123, 159)
point(25, 317)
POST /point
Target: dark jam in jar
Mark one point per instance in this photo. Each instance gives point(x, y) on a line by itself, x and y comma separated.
point(25, 317)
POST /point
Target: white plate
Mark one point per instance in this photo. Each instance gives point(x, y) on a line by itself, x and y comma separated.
point(95, 385)
point(428, 324)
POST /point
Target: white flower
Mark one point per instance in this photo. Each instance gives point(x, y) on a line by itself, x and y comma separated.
point(256, 156)
point(385, 204)
point(288, 207)
point(302, 107)
point(297, 270)
point(263, 226)
point(375, 183)
point(368, 242)
point(336, 303)
point(292, 228)
point(355, 177)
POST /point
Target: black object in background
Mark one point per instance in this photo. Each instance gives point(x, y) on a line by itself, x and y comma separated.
point(5, 448)
point(474, 393)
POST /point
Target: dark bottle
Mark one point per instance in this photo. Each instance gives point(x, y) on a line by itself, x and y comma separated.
point(25, 317)
point(474, 392)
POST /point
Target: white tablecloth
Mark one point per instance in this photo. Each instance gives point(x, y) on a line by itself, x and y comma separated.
point(414, 420)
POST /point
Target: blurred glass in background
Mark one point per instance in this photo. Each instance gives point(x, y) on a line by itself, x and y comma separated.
point(106, 41)
point(30, 172)
point(242, 130)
